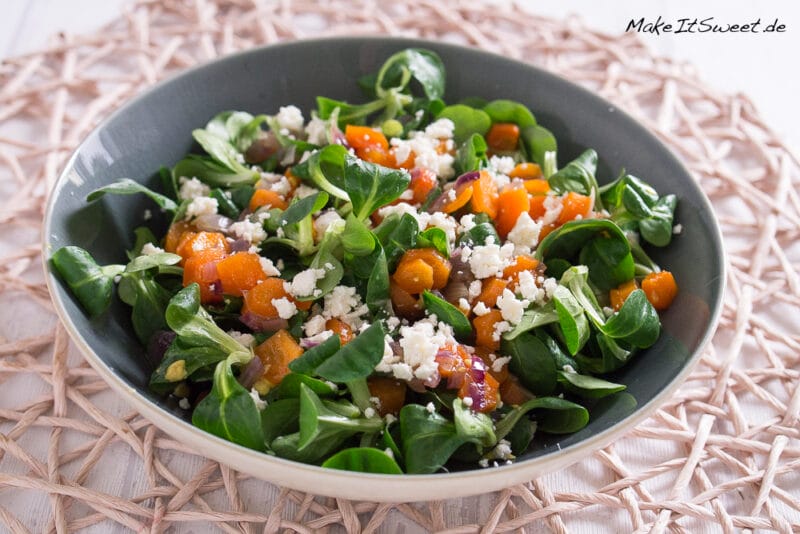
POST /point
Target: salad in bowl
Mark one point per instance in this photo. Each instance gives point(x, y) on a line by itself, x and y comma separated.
point(404, 285)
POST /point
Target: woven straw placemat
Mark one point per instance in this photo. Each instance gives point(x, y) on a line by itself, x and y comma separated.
point(722, 455)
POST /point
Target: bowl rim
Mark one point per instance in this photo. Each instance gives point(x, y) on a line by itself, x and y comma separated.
point(355, 485)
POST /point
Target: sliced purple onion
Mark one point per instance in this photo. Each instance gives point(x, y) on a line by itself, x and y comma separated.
point(467, 177)
point(441, 200)
point(240, 245)
point(259, 323)
point(263, 148)
point(251, 372)
point(307, 343)
point(415, 384)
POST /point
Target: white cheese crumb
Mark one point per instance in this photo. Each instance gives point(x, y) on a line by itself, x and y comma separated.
point(286, 308)
point(510, 307)
point(249, 231)
point(244, 339)
point(499, 363)
point(149, 249)
point(502, 164)
point(369, 412)
point(430, 407)
point(304, 191)
point(324, 220)
point(677, 229)
point(525, 234)
point(291, 118)
point(201, 206)
point(474, 289)
point(344, 303)
point(550, 286)
point(318, 338)
point(402, 208)
point(314, 325)
point(440, 129)
point(184, 403)
point(553, 207)
point(447, 223)
point(388, 452)
point(567, 368)
point(500, 328)
point(268, 267)
point(192, 188)
point(389, 418)
point(480, 309)
point(467, 401)
point(426, 154)
point(467, 222)
point(147, 215)
point(305, 282)
point(317, 131)
point(463, 303)
point(483, 462)
point(490, 260)
point(502, 451)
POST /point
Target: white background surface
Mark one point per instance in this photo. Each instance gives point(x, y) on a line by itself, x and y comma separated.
point(761, 65)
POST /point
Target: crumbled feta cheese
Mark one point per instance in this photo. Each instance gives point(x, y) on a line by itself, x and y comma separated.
point(474, 289)
point(324, 220)
point(502, 451)
point(420, 343)
point(502, 164)
point(463, 303)
point(483, 462)
point(286, 308)
point(260, 404)
point(268, 267)
point(677, 229)
point(244, 339)
point(446, 223)
point(500, 328)
point(201, 206)
point(317, 131)
point(481, 309)
point(316, 339)
point(408, 194)
point(525, 234)
point(314, 325)
point(249, 231)
point(192, 188)
point(392, 322)
point(369, 412)
point(389, 418)
point(291, 118)
point(440, 129)
point(376, 402)
point(305, 282)
point(430, 407)
point(553, 207)
point(426, 153)
point(388, 452)
point(490, 260)
point(526, 286)
point(402, 371)
point(184, 404)
point(345, 303)
point(148, 249)
point(402, 208)
point(467, 401)
point(567, 368)
point(467, 222)
point(147, 215)
point(510, 307)
point(499, 363)
point(550, 286)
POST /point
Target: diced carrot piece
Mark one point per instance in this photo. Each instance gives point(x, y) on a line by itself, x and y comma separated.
point(522, 263)
point(575, 206)
point(259, 299)
point(391, 394)
point(440, 265)
point(526, 171)
point(660, 289)
point(414, 276)
point(201, 268)
point(546, 229)
point(491, 289)
point(618, 295)
point(175, 234)
point(452, 360)
point(404, 303)
point(407, 164)
point(511, 203)
point(363, 136)
point(513, 393)
point(341, 329)
point(265, 197)
point(537, 209)
point(503, 137)
point(240, 272)
point(484, 195)
point(484, 330)
point(294, 181)
point(423, 181)
point(276, 353)
point(537, 186)
point(194, 242)
point(462, 196)
point(378, 155)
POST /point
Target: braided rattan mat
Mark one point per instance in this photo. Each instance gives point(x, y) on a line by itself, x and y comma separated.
point(722, 455)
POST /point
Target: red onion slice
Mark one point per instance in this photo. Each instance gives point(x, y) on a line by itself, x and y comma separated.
point(251, 372)
point(259, 323)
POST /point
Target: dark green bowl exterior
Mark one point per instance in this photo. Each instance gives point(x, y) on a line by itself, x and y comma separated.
point(155, 130)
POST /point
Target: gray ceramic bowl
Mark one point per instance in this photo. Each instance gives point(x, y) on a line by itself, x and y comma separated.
point(155, 129)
